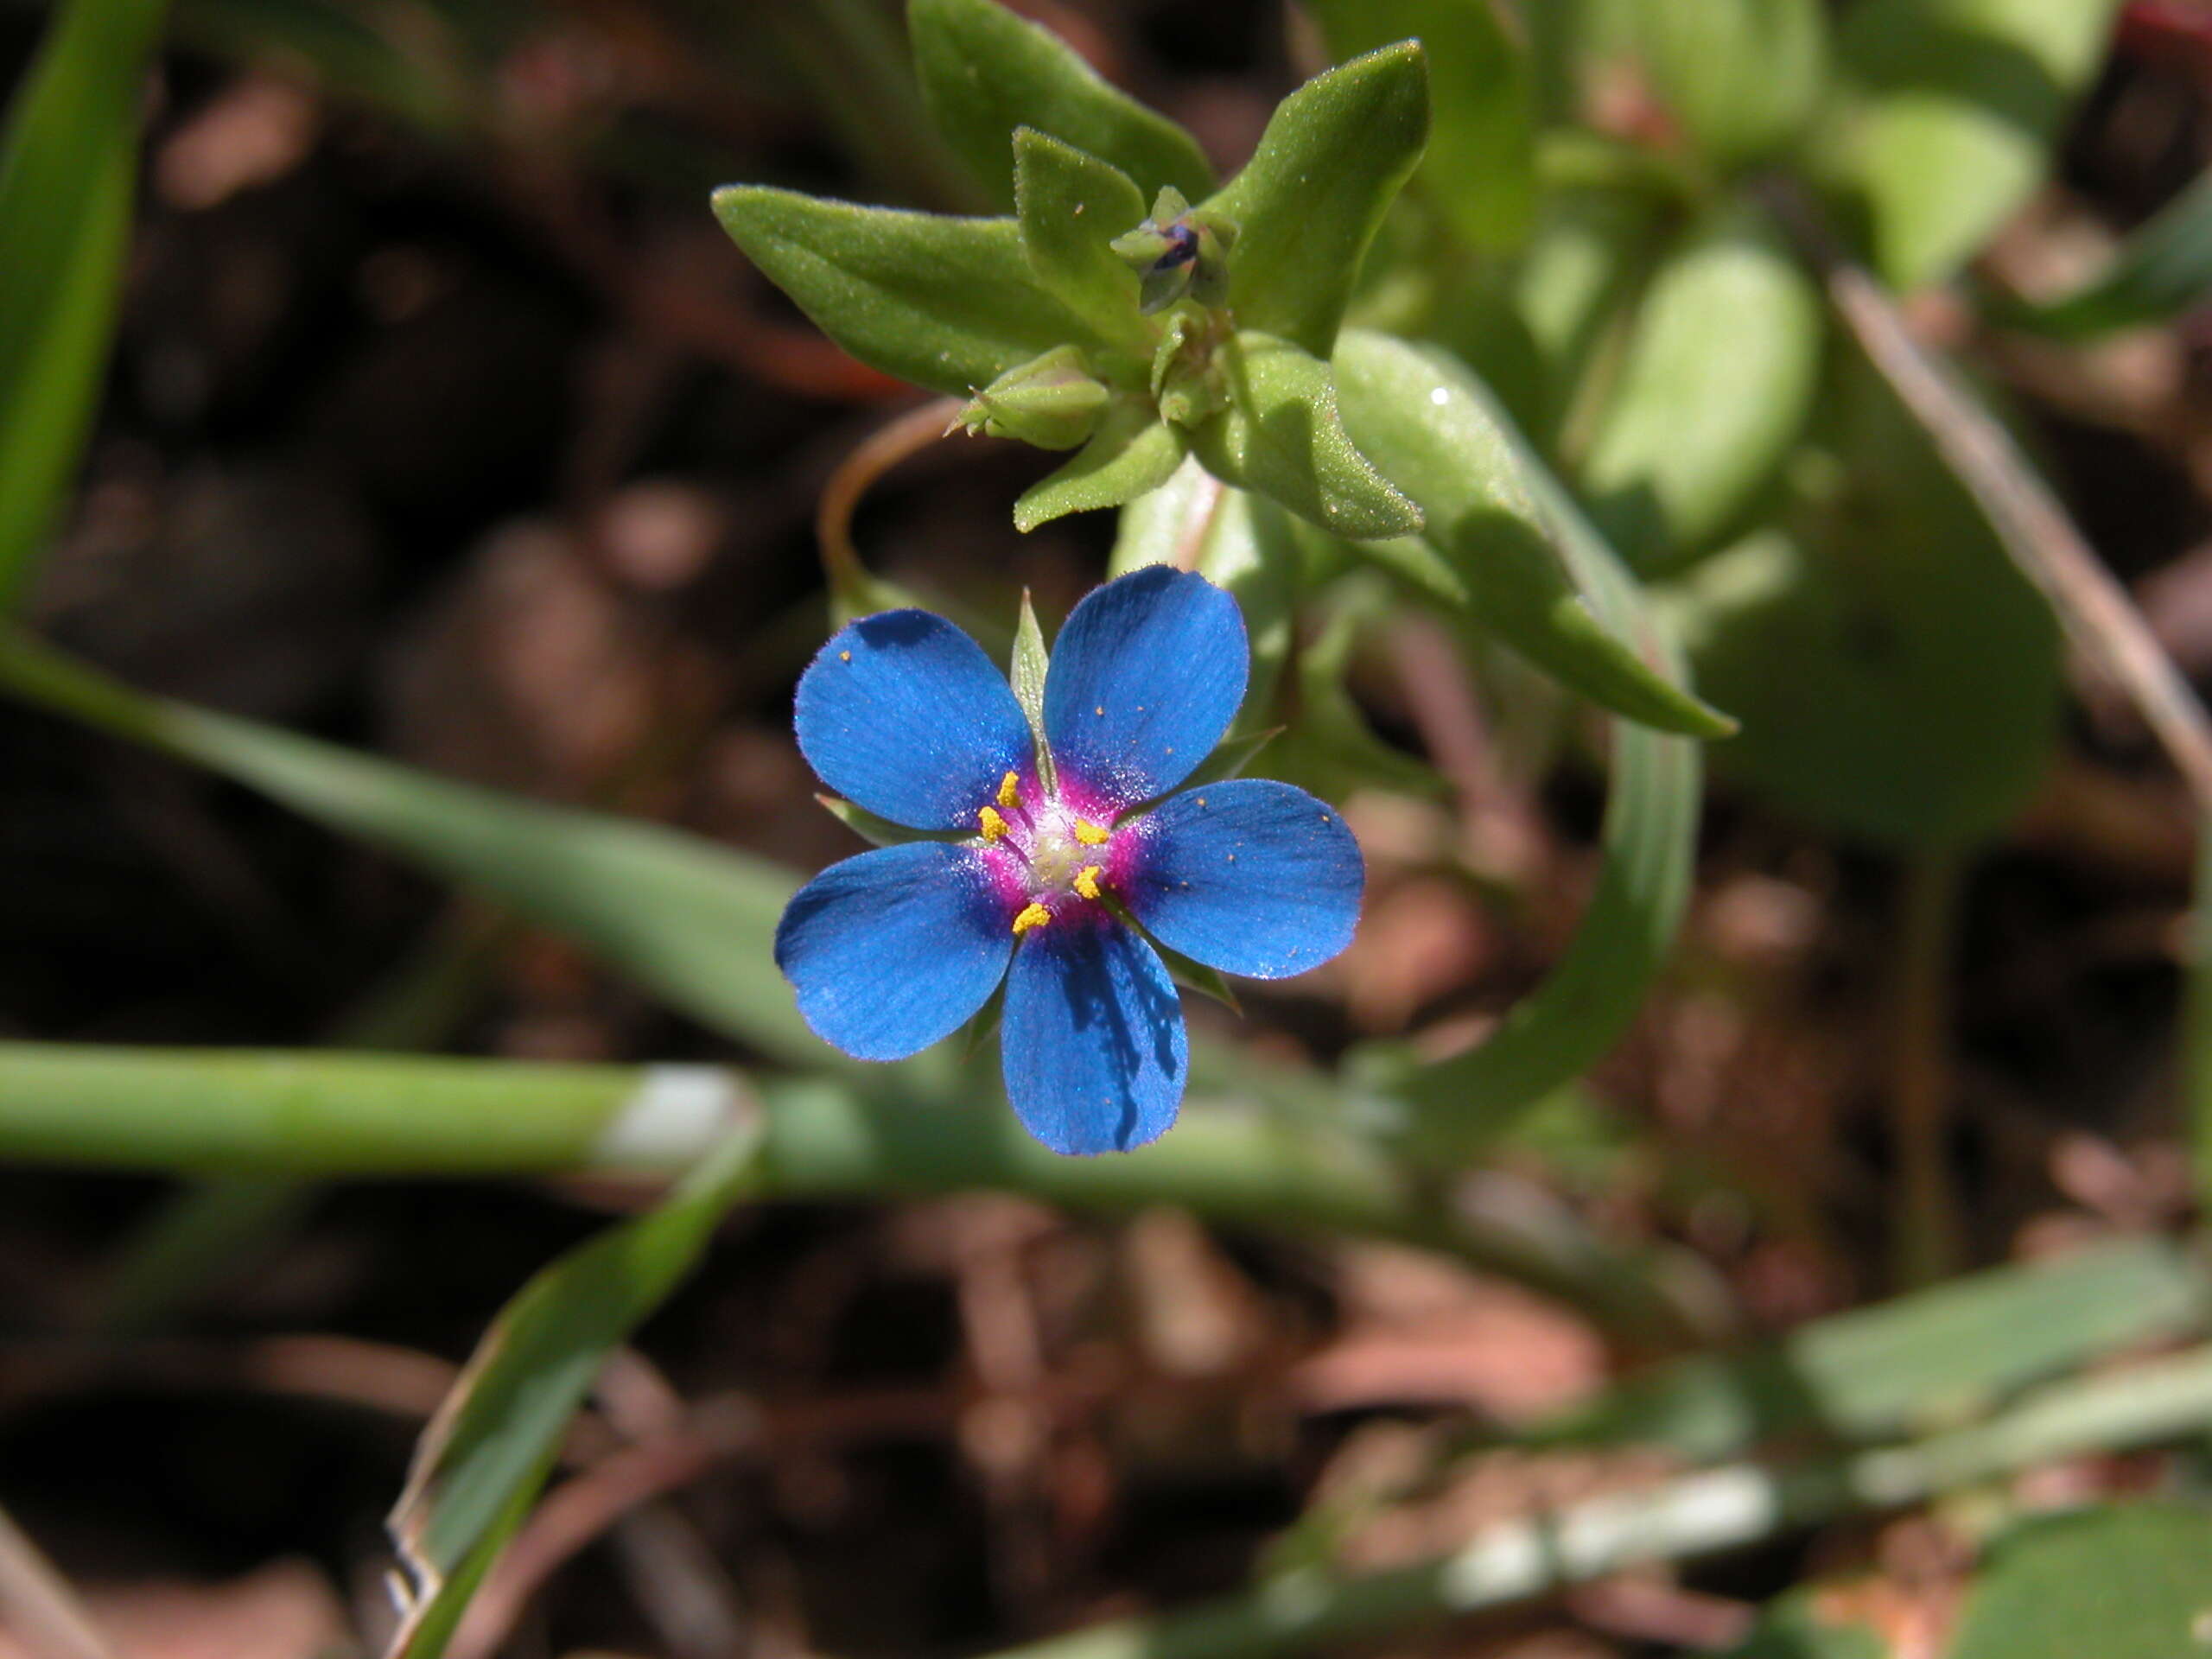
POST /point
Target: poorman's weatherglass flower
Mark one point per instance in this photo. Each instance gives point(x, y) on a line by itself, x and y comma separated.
point(904, 715)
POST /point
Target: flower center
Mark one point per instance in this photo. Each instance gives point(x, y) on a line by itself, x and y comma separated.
point(1059, 850)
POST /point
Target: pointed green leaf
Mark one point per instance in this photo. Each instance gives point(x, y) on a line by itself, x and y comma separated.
point(1489, 547)
point(68, 167)
point(1743, 77)
point(1718, 380)
point(1133, 453)
point(1030, 663)
point(1281, 436)
point(485, 1454)
point(1651, 811)
point(2162, 271)
point(947, 303)
point(1479, 170)
point(985, 72)
point(1308, 202)
point(1954, 105)
point(1070, 205)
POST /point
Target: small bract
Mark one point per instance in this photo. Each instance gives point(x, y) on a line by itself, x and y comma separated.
point(1078, 855)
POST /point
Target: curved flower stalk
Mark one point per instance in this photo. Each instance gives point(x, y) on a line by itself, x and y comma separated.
point(1051, 855)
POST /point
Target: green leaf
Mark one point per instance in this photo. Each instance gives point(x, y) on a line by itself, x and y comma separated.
point(1742, 76)
point(2130, 1581)
point(1900, 680)
point(1309, 201)
point(1027, 676)
point(1132, 451)
point(69, 167)
point(1906, 1366)
point(1489, 549)
point(2161, 272)
point(985, 72)
point(1281, 437)
point(1955, 105)
point(1070, 205)
point(947, 303)
point(1650, 827)
point(1479, 170)
point(488, 1452)
point(685, 918)
point(1719, 379)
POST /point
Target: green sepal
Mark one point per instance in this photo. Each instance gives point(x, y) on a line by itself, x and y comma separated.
point(947, 303)
point(881, 832)
point(985, 72)
point(1068, 202)
point(1489, 550)
point(1131, 453)
point(1053, 402)
point(1281, 436)
point(1188, 384)
point(1308, 203)
point(1027, 676)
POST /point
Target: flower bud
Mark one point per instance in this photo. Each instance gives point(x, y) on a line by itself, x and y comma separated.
point(1178, 251)
point(1052, 402)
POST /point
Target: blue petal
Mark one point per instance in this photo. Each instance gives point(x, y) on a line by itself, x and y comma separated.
point(1095, 1051)
point(902, 713)
point(1250, 877)
point(1145, 678)
point(893, 949)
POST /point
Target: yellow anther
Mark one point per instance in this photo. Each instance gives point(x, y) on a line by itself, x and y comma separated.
point(1009, 791)
point(1086, 881)
point(1035, 916)
point(994, 825)
point(1089, 833)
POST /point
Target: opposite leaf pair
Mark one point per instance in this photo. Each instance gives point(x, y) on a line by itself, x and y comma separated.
point(1087, 322)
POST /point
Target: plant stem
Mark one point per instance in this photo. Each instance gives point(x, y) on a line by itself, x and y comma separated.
point(852, 588)
point(1926, 1244)
point(324, 1114)
point(1696, 1514)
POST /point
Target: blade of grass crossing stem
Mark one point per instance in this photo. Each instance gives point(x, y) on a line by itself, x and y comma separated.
point(68, 164)
point(687, 920)
point(485, 1455)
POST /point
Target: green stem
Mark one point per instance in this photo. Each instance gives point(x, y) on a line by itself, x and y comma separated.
point(326, 1114)
point(1696, 1514)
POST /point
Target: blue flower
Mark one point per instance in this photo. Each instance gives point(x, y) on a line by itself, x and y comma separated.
point(904, 715)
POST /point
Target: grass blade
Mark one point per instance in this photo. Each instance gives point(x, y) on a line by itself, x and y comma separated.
point(68, 165)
